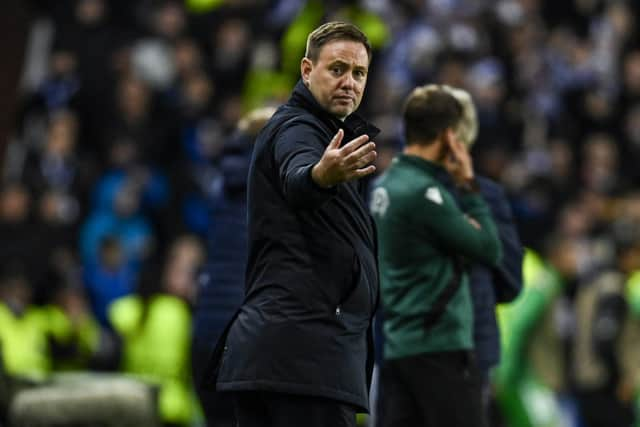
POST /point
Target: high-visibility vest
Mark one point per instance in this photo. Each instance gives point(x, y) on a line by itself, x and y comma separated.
point(524, 400)
point(532, 266)
point(632, 291)
point(24, 340)
point(157, 349)
point(203, 6)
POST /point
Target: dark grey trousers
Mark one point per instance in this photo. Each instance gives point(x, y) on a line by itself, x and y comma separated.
point(270, 409)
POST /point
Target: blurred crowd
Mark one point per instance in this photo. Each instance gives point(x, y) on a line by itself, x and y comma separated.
point(115, 167)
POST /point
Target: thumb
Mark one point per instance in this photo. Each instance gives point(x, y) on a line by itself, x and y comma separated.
point(337, 139)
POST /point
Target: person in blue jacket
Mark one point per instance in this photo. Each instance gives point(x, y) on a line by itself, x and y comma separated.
point(490, 285)
point(221, 283)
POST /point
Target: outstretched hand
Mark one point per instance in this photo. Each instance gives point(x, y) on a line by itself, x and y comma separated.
point(340, 164)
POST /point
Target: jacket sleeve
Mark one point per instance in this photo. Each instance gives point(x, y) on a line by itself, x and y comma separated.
point(519, 319)
point(507, 275)
point(453, 230)
point(296, 150)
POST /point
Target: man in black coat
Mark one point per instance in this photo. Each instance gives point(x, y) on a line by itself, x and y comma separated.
point(300, 349)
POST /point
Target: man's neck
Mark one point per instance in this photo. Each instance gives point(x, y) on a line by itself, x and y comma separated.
point(430, 152)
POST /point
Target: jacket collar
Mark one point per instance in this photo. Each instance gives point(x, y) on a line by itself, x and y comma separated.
point(354, 124)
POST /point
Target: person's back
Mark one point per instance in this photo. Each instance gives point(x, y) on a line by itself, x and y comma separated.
point(415, 265)
point(429, 377)
point(500, 284)
point(489, 285)
point(221, 283)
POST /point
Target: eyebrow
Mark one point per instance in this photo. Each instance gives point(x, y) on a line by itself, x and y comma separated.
point(344, 63)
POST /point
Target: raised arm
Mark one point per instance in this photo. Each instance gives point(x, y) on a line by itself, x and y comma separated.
point(310, 170)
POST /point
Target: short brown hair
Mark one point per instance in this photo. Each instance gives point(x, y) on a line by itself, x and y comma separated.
point(334, 30)
point(428, 111)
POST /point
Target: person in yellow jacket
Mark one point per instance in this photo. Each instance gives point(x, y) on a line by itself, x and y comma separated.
point(23, 333)
point(155, 326)
point(37, 340)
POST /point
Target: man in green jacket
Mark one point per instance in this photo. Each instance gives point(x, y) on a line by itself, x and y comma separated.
point(425, 238)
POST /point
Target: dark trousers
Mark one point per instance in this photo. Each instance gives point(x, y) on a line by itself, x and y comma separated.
point(270, 409)
point(217, 407)
point(431, 390)
point(602, 408)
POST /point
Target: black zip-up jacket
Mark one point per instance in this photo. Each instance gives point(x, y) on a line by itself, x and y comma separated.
point(312, 278)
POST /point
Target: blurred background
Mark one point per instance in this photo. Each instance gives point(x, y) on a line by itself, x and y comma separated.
point(116, 123)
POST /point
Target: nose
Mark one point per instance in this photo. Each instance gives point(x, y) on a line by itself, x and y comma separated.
point(348, 82)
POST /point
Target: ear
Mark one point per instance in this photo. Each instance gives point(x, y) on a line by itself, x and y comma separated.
point(446, 139)
point(305, 69)
point(449, 136)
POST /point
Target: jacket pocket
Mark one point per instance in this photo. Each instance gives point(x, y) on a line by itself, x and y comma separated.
point(356, 299)
point(351, 283)
point(333, 276)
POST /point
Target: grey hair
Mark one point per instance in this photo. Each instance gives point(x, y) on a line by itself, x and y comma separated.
point(467, 128)
point(254, 120)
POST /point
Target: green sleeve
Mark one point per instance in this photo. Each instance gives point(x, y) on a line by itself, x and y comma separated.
point(632, 292)
point(528, 308)
point(452, 229)
point(523, 314)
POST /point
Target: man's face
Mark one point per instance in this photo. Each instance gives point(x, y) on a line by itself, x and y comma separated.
point(338, 77)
